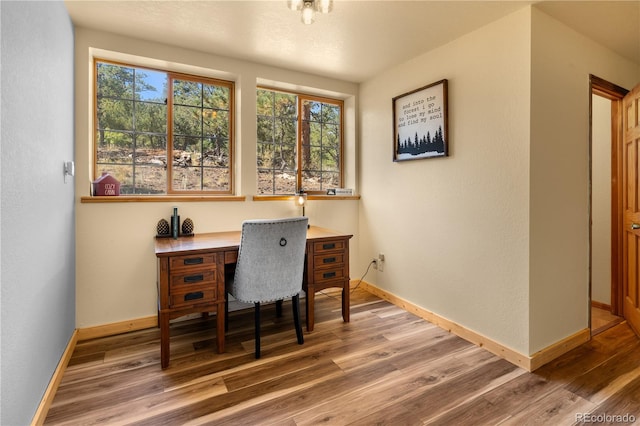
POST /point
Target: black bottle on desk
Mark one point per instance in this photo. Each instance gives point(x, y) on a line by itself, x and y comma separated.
point(175, 223)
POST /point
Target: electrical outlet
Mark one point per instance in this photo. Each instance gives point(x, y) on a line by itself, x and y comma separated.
point(375, 263)
point(380, 262)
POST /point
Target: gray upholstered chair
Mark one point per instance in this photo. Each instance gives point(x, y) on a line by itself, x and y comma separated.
point(270, 267)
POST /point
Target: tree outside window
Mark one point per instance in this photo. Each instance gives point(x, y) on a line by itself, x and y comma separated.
point(163, 133)
point(298, 150)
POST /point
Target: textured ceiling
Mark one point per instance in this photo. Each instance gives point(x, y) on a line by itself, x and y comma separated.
point(355, 42)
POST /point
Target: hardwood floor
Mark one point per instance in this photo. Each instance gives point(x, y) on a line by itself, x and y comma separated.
point(602, 319)
point(385, 367)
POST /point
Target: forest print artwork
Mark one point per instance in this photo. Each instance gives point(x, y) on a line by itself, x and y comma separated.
point(420, 123)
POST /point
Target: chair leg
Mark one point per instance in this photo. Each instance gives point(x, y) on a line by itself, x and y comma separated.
point(279, 308)
point(257, 327)
point(296, 318)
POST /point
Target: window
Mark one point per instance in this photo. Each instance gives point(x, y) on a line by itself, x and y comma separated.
point(144, 114)
point(298, 150)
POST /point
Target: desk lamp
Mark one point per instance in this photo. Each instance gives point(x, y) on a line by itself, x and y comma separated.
point(300, 199)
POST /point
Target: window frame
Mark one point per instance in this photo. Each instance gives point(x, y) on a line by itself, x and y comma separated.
point(171, 75)
point(300, 98)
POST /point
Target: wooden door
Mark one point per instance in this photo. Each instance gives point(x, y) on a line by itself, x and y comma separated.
point(631, 206)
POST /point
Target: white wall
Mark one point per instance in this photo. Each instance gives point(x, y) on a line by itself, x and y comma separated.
point(495, 237)
point(455, 230)
point(561, 63)
point(38, 241)
point(116, 265)
point(601, 200)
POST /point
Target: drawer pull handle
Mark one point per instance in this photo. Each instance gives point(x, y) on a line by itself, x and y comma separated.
point(193, 296)
point(194, 261)
point(328, 246)
point(329, 260)
point(329, 275)
point(193, 278)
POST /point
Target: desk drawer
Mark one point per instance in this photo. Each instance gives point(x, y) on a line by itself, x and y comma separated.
point(194, 296)
point(325, 275)
point(328, 260)
point(193, 261)
point(326, 246)
point(230, 256)
point(188, 278)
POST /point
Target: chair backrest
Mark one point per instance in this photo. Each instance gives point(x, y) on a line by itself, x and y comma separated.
point(270, 262)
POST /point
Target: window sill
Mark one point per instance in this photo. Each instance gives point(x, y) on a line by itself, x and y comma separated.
point(309, 197)
point(197, 198)
point(160, 198)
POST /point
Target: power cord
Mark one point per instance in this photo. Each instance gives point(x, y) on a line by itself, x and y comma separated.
point(359, 281)
point(363, 275)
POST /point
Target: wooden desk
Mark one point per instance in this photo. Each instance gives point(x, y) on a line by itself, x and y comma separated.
point(191, 276)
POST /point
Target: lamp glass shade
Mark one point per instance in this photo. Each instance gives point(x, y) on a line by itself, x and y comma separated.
point(307, 13)
point(300, 199)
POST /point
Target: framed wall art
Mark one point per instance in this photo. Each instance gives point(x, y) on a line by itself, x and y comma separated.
point(420, 123)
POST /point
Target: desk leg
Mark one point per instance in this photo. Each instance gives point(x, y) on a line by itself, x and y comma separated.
point(164, 340)
point(311, 294)
point(220, 326)
point(345, 302)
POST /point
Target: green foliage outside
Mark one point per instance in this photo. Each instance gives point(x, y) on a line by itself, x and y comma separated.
point(135, 115)
point(278, 143)
point(132, 129)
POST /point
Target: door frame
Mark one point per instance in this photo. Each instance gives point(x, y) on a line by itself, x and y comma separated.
point(608, 90)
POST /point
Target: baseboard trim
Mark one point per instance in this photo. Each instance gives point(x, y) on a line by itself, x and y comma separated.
point(117, 328)
point(529, 363)
point(561, 347)
point(50, 392)
point(601, 305)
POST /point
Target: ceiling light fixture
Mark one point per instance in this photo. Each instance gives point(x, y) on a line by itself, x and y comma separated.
point(308, 7)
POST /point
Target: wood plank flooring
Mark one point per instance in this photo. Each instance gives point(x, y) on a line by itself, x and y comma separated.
point(602, 319)
point(385, 367)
